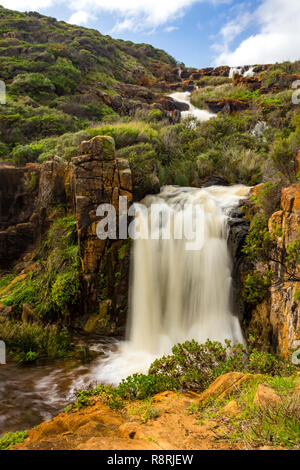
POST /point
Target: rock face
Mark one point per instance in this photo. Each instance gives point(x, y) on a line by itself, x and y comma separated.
point(29, 197)
point(227, 105)
point(275, 322)
point(238, 229)
point(284, 308)
point(97, 177)
point(18, 211)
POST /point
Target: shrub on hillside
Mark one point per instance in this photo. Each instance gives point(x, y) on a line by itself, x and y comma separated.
point(35, 85)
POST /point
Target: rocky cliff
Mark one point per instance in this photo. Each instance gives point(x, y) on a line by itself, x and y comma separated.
point(278, 317)
point(33, 195)
point(274, 322)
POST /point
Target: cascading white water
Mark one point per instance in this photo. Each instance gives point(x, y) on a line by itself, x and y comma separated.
point(242, 71)
point(178, 293)
point(200, 114)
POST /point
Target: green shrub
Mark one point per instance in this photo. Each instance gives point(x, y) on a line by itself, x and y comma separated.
point(35, 85)
point(29, 342)
point(64, 76)
point(65, 290)
point(4, 150)
point(126, 134)
point(260, 362)
point(23, 154)
point(191, 366)
point(195, 366)
point(256, 287)
point(12, 439)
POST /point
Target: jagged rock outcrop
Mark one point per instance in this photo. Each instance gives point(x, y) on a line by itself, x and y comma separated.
point(29, 198)
point(98, 177)
point(275, 322)
point(284, 308)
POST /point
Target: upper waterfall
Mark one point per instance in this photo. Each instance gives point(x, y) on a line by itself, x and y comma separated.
point(200, 114)
point(180, 285)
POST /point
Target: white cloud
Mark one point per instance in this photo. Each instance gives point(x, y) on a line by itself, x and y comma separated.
point(277, 40)
point(28, 5)
point(80, 18)
point(170, 29)
point(138, 15)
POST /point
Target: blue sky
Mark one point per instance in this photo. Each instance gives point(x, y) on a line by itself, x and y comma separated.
point(197, 32)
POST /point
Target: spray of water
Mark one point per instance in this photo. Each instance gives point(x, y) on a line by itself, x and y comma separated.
point(177, 294)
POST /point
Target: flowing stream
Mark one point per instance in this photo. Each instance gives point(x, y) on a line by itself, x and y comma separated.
point(200, 114)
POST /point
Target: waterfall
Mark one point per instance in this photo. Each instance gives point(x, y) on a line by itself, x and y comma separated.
point(180, 286)
point(200, 114)
point(242, 71)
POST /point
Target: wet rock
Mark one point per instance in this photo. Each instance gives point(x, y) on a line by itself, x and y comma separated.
point(238, 230)
point(215, 181)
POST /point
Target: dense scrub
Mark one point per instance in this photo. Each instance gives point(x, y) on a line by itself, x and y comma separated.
point(190, 366)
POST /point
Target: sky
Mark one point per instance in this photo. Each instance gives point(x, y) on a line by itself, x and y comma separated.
point(199, 33)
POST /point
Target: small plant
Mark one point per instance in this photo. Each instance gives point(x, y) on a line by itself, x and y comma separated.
point(12, 439)
point(256, 286)
point(27, 343)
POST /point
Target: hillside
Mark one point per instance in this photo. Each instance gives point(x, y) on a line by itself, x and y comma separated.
point(61, 77)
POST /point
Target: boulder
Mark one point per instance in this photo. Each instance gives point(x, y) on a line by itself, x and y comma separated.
point(225, 385)
point(266, 397)
point(231, 408)
point(227, 105)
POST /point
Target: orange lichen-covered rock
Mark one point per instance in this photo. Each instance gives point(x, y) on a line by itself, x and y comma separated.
point(265, 397)
point(290, 200)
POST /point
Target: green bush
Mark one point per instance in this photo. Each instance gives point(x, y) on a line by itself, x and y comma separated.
point(126, 134)
point(35, 85)
point(256, 287)
point(65, 290)
point(29, 342)
point(4, 150)
point(23, 154)
point(195, 366)
point(190, 366)
point(12, 439)
point(64, 76)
